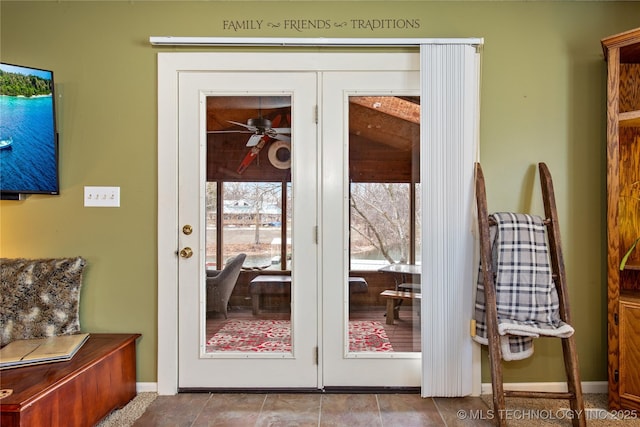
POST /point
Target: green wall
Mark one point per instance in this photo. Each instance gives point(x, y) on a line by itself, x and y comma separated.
point(543, 99)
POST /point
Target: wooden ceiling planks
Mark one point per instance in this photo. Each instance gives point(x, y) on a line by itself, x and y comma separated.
point(222, 109)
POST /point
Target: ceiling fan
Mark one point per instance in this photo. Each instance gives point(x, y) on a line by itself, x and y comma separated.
point(260, 127)
point(263, 131)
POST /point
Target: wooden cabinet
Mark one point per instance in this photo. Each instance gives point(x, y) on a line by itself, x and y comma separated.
point(629, 383)
point(99, 378)
point(622, 53)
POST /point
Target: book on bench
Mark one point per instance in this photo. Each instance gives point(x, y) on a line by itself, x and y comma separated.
point(40, 350)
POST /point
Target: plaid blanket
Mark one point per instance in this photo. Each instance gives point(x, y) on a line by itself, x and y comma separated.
point(526, 296)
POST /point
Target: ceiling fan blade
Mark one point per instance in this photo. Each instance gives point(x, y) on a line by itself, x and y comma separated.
point(254, 140)
point(229, 131)
point(251, 128)
point(281, 130)
point(284, 138)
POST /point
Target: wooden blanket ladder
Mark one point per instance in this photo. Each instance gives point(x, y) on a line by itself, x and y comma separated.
point(574, 393)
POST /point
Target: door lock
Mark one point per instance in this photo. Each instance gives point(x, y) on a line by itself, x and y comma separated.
point(186, 252)
point(187, 229)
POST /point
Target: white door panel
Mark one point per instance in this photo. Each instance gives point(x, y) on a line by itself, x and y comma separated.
point(197, 367)
point(342, 367)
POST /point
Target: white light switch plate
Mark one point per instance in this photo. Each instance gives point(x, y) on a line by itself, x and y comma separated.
point(102, 197)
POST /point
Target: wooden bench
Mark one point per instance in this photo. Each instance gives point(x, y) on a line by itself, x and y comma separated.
point(393, 302)
point(99, 378)
point(409, 287)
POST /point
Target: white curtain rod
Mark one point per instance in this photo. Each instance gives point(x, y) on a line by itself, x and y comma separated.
point(291, 41)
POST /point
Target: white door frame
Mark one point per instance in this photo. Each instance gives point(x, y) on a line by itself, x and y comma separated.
point(449, 141)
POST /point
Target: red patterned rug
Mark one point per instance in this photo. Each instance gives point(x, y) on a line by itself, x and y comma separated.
point(275, 336)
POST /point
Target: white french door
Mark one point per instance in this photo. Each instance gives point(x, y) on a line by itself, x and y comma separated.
point(320, 354)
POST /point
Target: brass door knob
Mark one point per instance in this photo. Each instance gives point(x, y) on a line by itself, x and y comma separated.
point(186, 252)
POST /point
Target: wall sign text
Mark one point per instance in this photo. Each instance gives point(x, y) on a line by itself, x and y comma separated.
point(302, 25)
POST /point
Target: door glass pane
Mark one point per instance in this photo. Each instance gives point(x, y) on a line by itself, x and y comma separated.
point(252, 218)
point(248, 199)
point(384, 287)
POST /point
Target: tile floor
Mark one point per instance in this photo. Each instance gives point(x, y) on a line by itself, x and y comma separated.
point(348, 410)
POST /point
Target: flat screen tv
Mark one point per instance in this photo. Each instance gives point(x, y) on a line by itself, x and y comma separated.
point(28, 135)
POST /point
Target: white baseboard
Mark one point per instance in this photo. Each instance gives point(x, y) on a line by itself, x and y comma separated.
point(587, 387)
point(146, 387)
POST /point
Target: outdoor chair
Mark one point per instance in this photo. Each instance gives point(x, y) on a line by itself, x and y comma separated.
point(220, 286)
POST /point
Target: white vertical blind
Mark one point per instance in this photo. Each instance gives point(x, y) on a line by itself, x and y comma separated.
point(449, 138)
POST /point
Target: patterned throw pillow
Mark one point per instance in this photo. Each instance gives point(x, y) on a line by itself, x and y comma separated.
point(39, 297)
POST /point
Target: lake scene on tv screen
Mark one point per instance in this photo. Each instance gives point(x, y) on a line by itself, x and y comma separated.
point(28, 158)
